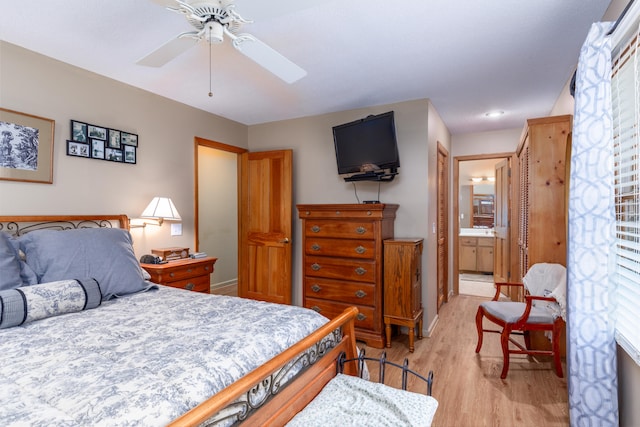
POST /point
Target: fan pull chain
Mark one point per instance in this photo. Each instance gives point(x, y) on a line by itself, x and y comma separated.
point(210, 89)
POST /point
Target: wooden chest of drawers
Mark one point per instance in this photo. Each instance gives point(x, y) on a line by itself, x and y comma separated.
point(191, 274)
point(342, 262)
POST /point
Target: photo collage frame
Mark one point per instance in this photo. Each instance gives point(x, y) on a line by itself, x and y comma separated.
point(102, 143)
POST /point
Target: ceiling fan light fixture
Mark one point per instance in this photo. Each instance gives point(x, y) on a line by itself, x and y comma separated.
point(215, 32)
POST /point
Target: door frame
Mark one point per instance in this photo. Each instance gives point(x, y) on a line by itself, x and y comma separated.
point(456, 209)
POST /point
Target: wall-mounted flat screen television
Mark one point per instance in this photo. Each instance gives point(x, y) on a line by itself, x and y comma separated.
point(367, 146)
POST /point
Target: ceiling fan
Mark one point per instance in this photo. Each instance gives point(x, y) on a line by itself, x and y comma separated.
point(213, 20)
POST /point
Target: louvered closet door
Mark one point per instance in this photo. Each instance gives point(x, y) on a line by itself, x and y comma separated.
point(523, 217)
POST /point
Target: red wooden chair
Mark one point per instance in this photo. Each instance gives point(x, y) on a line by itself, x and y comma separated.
point(537, 313)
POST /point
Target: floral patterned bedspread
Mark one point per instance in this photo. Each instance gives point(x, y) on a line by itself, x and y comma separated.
point(139, 360)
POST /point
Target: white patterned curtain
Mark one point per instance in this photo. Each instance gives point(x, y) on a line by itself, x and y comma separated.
point(591, 358)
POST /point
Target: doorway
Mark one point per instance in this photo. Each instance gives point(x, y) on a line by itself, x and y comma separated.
point(216, 213)
point(474, 221)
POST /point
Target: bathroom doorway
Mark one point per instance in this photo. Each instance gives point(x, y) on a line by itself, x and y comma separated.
point(476, 243)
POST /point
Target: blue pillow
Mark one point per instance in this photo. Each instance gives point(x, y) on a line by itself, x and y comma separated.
point(105, 254)
point(14, 271)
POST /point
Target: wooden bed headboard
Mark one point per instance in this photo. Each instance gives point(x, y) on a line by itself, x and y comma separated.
point(19, 225)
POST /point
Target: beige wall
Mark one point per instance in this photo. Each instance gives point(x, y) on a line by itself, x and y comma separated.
point(218, 211)
point(41, 86)
point(316, 178)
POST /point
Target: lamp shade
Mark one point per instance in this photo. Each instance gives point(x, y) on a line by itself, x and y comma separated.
point(161, 208)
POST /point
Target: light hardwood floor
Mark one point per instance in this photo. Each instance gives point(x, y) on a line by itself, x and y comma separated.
point(468, 386)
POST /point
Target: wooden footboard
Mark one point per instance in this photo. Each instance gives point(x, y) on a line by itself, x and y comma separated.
point(296, 394)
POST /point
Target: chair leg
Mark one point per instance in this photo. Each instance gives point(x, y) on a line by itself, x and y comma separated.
point(504, 343)
point(556, 349)
point(479, 316)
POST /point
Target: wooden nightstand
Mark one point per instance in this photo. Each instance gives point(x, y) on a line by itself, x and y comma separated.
point(190, 274)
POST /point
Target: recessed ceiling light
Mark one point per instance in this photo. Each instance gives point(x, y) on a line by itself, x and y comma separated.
point(494, 114)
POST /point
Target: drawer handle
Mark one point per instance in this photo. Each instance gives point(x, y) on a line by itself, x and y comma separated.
point(360, 250)
point(361, 294)
point(172, 274)
point(360, 271)
point(206, 268)
point(315, 228)
point(189, 270)
point(316, 309)
point(189, 286)
point(361, 230)
point(315, 266)
point(315, 288)
point(315, 247)
point(361, 317)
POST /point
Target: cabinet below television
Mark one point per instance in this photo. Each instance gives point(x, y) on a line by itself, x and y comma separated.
point(342, 262)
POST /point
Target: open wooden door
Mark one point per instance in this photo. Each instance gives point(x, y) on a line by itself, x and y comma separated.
point(264, 250)
point(502, 251)
point(443, 226)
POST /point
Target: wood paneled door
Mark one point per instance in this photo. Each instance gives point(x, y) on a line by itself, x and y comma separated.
point(443, 225)
point(264, 257)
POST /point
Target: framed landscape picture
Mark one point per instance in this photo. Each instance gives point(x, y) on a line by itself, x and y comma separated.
point(26, 147)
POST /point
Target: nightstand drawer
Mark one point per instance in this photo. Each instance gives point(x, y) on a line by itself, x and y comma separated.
point(196, 284)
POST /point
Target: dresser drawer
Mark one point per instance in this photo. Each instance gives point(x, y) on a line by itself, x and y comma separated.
point(349, 292)
point(336, 268)
point(364, 319)
point(340, 248)
point(197, 284)
point(339, 229)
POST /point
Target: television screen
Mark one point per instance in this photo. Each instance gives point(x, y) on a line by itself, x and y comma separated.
point(367, 145)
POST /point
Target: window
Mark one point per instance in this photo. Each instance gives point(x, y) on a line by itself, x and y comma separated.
point(625, 95)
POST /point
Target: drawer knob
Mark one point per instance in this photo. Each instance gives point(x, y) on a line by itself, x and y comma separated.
point(189, 286)
point(206, 268)
point(315, 247)
point(360, 250)
point(315, 288)
point(189, 270)
point(361, 317)
point(316, 309)
point(315, 266)
point(360, 271)
point(315, 228)
point(171, 274)
point(361, 294)
point(361, 230)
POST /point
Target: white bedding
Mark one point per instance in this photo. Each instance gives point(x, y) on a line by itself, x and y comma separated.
point(139, 360)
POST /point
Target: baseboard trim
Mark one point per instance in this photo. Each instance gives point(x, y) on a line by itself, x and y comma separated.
point(432, 326)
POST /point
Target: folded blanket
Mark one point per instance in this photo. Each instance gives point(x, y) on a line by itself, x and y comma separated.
point(29, 303)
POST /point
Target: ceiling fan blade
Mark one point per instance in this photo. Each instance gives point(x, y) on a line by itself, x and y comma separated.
point(268, 58)
point(167, 52)
point(165, 3)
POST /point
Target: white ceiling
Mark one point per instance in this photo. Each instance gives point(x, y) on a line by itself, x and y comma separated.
point(467, 56)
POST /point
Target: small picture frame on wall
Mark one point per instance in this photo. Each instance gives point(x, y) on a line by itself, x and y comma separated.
point(79, 131)
point(130, 139)
point(113, 154)
point(77, 149)
point(114, 138)
point(97, 149)
point(97, 132)
point(129, 154)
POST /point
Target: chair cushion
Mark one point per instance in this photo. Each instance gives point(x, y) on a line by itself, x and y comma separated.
point(510, 312)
